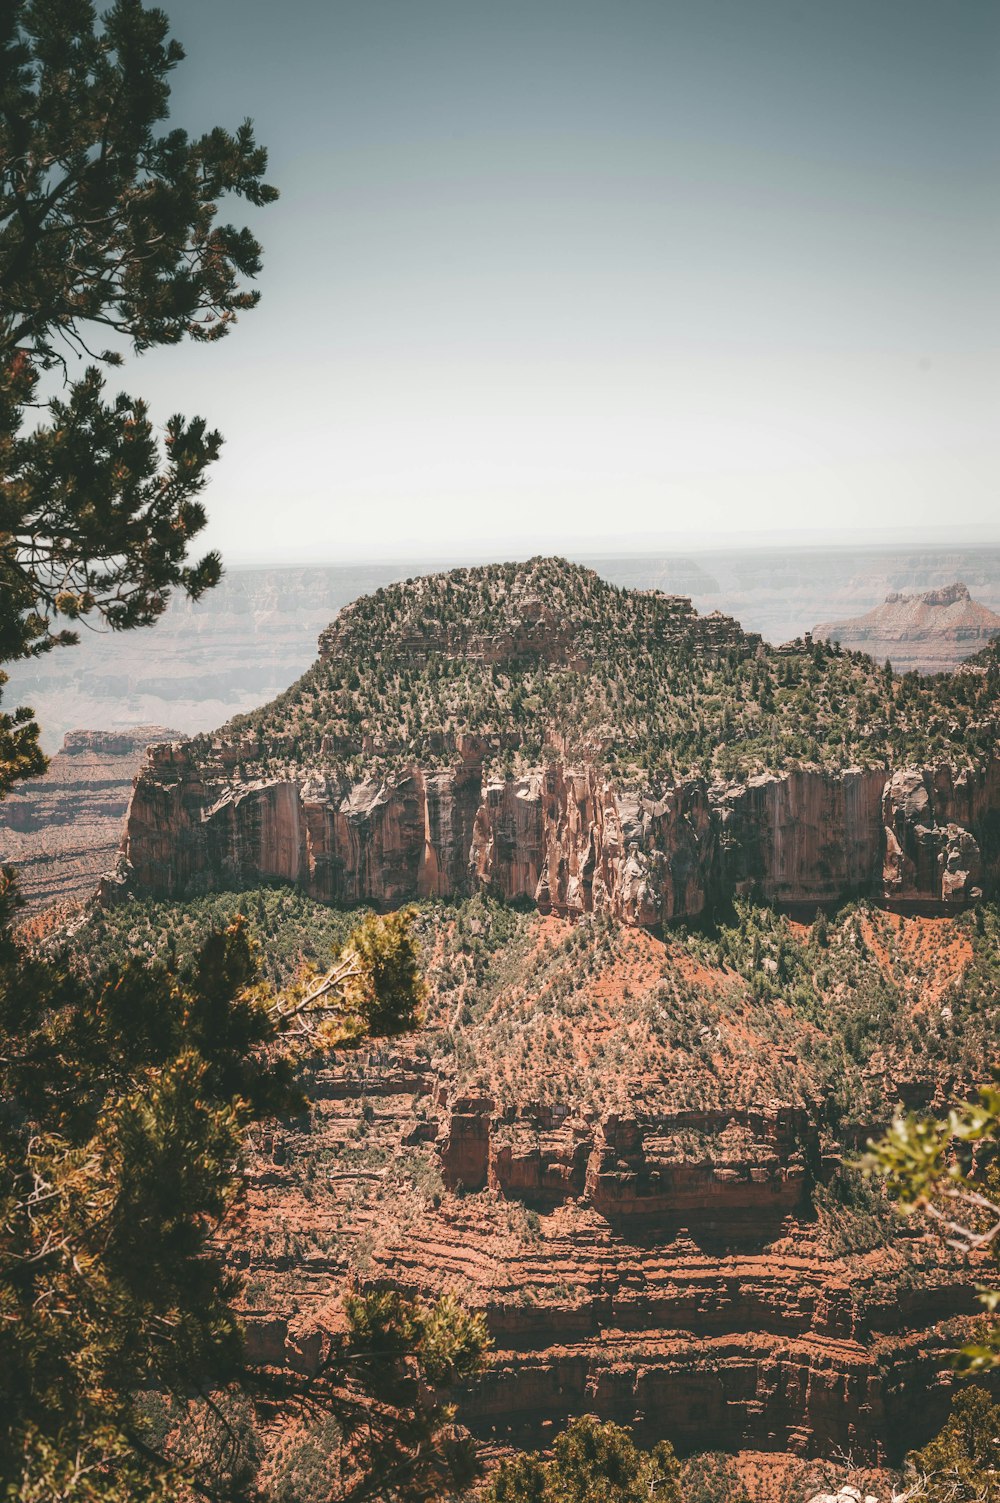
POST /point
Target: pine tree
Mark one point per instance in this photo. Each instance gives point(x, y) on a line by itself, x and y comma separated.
point(107, 225)
point(591, 1461)
point(126, 1104)
point(962, 1463)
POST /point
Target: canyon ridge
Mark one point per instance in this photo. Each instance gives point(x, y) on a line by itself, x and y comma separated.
point(531, 731)
point(619, 1132)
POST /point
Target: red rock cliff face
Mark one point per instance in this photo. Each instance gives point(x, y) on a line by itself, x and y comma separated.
point(650, 1290)
point(930, 815)
point(802, 837)
point(365, 842)
point(567, 837)
point(634, 1170)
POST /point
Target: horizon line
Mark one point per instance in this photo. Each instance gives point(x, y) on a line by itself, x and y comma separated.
point(642, 545)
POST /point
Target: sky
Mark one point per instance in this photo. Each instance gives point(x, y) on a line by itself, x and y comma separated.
point(553, 274)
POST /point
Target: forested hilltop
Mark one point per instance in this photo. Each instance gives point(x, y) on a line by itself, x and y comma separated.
point(546, 659)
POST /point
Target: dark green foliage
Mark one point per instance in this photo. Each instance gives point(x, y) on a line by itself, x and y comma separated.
point(401, 1355)
point(105, 225)
point(591, 1463)
point(287, 926)
point(386, 993)
point(124, 1112)
point(449, 1342)
point(545, 659)
point(854, 1215)
point(125, 1104)
point(524, 1479)
point(370, 1423)
point(105, 221)
point(962, 1463)
point(218, 1443)
point(20, 754)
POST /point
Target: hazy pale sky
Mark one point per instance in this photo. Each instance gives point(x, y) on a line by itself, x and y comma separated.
point(552, 270)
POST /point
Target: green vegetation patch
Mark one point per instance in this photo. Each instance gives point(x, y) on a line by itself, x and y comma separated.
point(546, 659)
point(840, 1016)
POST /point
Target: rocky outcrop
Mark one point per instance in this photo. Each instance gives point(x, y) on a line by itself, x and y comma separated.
point(929, 632)
point(802, 838)
point(808, 1395)
point(489, 728)
point(62, 830)
point(723, 1173)
point(940, 835)
point(382, 842)
point(738, 1182)
point(643, 1283)
point(567, 838)
point(464, 1142)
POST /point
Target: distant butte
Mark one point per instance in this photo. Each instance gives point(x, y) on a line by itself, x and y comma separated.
point(931, 632)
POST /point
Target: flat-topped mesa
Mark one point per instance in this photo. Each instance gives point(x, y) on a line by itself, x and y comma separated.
point(535, 731)
point(118, 743)
point(60, 831)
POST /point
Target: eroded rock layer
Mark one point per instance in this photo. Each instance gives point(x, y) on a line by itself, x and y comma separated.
point(534, 731)
point(567, 837)
point(620, 1274)
point(626, 1151)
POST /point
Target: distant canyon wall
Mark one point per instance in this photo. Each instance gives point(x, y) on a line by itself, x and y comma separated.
point(60, 831)
point(568, 837)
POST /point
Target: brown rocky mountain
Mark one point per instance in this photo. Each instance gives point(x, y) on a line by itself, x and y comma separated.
point(62, 830)
point(533, 731)
point(625, 1149)
point(621, 1141)
point(929, 632)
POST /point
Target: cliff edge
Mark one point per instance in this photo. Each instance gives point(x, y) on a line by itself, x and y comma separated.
point(534, 731)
